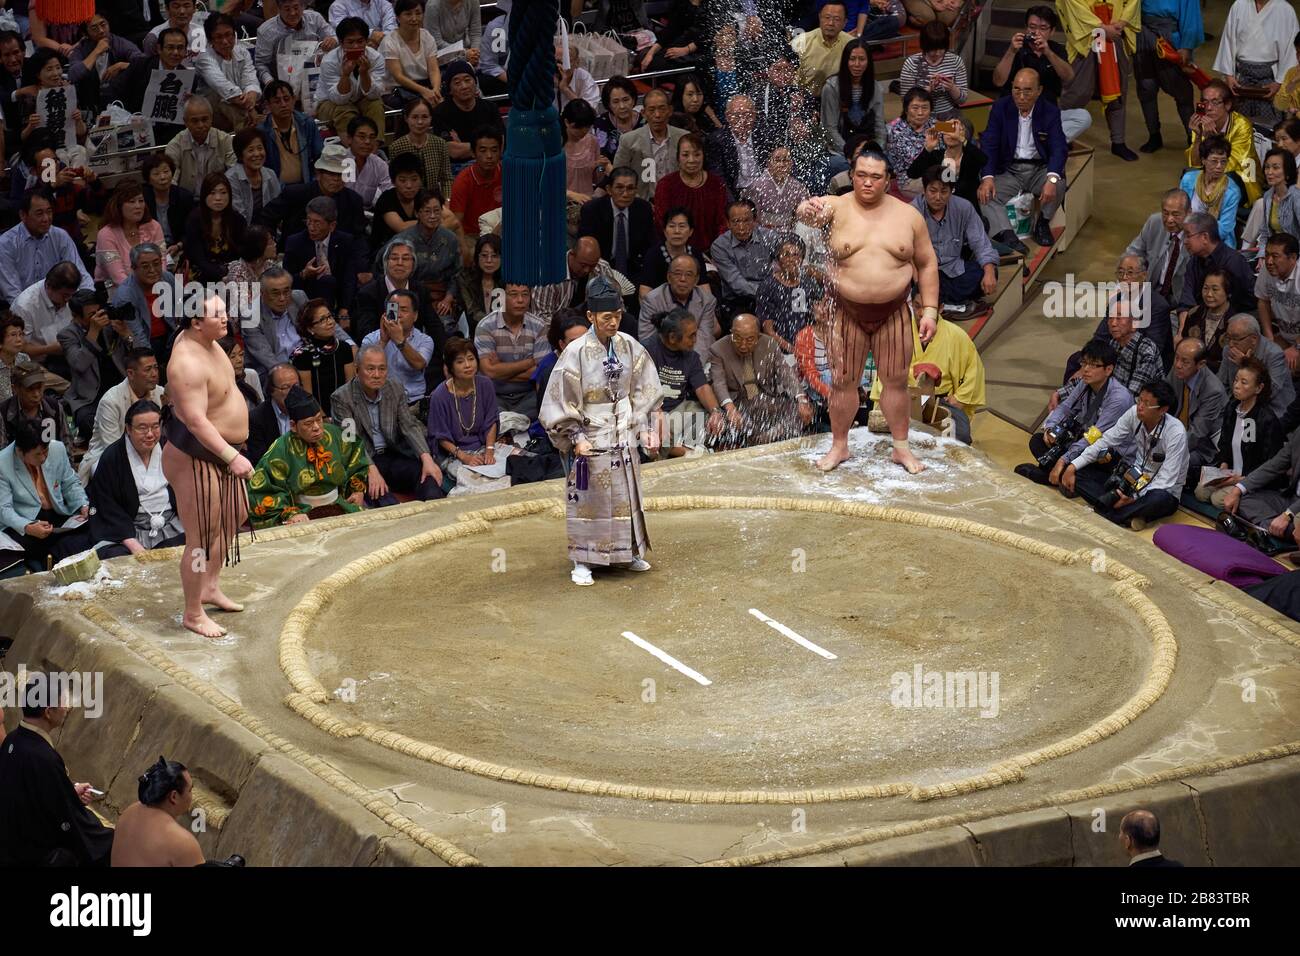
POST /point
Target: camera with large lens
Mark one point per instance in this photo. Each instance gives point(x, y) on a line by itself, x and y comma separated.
point(1064, 434)
point(1127, 479)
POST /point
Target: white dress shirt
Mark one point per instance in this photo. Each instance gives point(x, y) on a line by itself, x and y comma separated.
point(1025, 148)
point(748, 165)
point(228, 78)
point(331, 71)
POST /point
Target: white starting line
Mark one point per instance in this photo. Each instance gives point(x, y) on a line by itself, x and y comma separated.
point(798, 639)
point(668, 659)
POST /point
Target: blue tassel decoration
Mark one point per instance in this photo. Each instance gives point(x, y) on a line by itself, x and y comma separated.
point(534, 227)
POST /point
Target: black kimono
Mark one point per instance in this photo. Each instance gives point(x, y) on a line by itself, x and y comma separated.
point(42, 821)
point(115, 502)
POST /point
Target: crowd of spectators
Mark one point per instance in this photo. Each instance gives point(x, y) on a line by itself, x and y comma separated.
point(354, 192)
point(343, 166)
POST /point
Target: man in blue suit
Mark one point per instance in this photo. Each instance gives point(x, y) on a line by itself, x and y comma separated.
point(39, 491)
point(1026, 150)
point(323, 259)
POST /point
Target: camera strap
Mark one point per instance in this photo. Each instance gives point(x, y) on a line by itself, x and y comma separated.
point(1154, 440)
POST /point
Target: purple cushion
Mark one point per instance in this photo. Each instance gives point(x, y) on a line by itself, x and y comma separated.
point(1219, 556)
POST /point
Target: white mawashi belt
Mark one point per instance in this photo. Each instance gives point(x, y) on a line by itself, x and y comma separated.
point(315, 501)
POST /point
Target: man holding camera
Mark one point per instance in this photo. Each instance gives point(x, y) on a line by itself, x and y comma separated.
point(1096, 399)
point(1033, 49)
point(1147, 486)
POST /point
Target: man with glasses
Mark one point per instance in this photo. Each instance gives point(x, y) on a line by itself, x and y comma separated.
point(140, 384)
point(1095, 398)
point(1244, 339)
point(623, 223)
point(1150, 309)
point(1159, 453)
point(1026, 151)
point(1199, 400)
point(682, 291)
point(133, 509)
point(171, 52)
point(1215, 115)
point(1033, 49)
point(1161, 245)
point(743, 256)
point(1208, 254)
point(758, 389)
point(271, 419)
point(271, 340)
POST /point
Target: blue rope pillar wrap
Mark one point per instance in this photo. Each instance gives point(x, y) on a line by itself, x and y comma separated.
point(534, 227)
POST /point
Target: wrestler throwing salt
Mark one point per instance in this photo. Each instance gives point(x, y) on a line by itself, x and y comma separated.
point(877, 244)
point(201, 462)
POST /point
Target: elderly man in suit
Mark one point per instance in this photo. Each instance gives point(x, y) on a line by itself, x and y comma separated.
point(622, 222)
point(1199, 400)
point(1026, 150)
point(1244, 339)
point(759, 391)
point(39, 492)
point(394, 438)
point(735, 152)
point(651, 149)
point(271, 340)
point(271, 419)
point(323, 259)
point(1161, 246)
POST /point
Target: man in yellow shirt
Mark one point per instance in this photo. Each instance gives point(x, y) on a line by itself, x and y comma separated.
point(1220, 118)
point(819, 50)
point(961, 386)
point(1088, 41)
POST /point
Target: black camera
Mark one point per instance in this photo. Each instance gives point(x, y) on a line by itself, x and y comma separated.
point(124, 313)
point(1063, 435)
point(1127, 479)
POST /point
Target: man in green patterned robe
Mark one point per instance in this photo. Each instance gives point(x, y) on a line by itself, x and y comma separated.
point(313, 471)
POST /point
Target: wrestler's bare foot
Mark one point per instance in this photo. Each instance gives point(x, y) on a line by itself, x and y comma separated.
point(904, 457)
point(218, 599)
point(838, 454)
point(202, 625)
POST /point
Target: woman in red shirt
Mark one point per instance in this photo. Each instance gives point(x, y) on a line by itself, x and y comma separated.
point(704, 194)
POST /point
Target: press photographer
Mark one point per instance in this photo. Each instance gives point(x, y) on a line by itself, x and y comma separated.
point(1144, 486)
point(1095, 398)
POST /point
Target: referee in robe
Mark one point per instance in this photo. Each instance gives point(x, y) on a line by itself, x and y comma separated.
point(603, 397)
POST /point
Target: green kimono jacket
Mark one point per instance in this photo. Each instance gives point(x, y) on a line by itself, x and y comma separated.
point(292, 469)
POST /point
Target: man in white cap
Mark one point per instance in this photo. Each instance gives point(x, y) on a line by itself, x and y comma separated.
point(604, 396)
point(287, 212)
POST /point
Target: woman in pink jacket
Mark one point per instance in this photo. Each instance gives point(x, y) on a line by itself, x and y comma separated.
point(127, 223)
